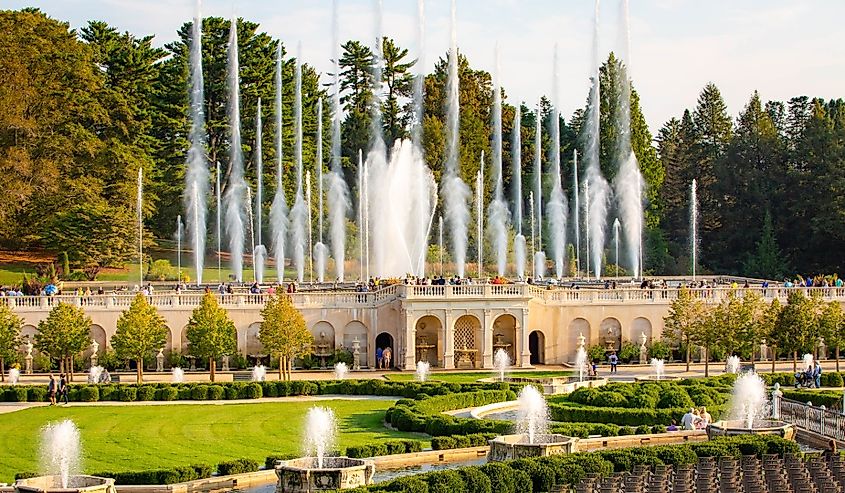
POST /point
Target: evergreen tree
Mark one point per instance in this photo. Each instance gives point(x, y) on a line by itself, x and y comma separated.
point(140, 331)
point(767, 262)
point(356, 85)
point(398, 85)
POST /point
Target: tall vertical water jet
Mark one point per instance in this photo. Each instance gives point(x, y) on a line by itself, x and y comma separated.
point(259, 253)
point(599, 190)
point(60, 450)
point(338, 195)
point(616, 243)
point(628, 183)
point(362, 227)
point(219, 211)
point(498, 209)
point(140, 218)
point(299, 212)
point(479, 216)
point(539, 254)
point(279, 208)
point(320, 249)
point(179, 234)
point(576, 211)
point(236, 188)
point(516, 157)
point(455, 192)
point(693, 221)
point(440, 242)
point(251, 229)
point(557, 200)
point(196, 173)
point(309, 247)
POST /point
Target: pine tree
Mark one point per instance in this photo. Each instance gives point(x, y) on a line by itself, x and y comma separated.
point(766, 262)
point(397, 79)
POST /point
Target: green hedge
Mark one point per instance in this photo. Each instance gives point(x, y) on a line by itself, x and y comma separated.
point(461, 441)
point(160, 476)
point(237, 466)
point(384, 448)
point(424, 415)
point(542, 474)
point(244, 390)
point(827, 398)
point(621, 416)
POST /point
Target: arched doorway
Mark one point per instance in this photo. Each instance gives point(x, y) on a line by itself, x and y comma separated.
point(355, 333)
point(504, 336)
point(577, 328)
point(639, 327)
point(250, 345)
point(467, 340)
point(428, 339)
point(537, 347)
point(324, 343)
point(610, 334)
point(383, 341)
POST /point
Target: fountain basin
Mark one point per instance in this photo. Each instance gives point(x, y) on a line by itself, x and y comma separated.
point(338, 473)
point(507, 447)
point(76, 484)
point(761, 427)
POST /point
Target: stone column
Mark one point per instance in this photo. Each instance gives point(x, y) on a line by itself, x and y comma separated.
point(486, 349)
point(410, 362)
point(449, 351)
point(522, 336)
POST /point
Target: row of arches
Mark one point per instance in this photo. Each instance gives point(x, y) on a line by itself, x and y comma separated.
point(467, 339)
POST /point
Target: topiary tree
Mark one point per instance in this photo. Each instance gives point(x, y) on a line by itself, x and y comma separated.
point(211, 333)
point(140, 331)
point(283, 332)
point(10, 330)
point(63, 334)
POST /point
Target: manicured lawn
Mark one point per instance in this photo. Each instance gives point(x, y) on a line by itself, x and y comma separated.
point(470, 377)
point(126, 438)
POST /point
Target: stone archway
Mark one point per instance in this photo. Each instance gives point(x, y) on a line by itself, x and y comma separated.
point(640, 326)
point(504, 335)
point(537, 347)
point(251, 345)
point(95, 334)
point(467, 334)
point(383, 341)
point(577, 327)
point(356, 331)
point(324, 343)
point(429, 340)
point(610, 334)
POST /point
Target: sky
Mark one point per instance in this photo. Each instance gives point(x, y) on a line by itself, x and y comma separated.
point(782, 48)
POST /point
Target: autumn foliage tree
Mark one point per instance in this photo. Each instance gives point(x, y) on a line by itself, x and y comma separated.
point(283, 332)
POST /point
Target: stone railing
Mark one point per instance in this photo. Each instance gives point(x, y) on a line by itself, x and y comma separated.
point(819, 420)
point(668, 295)
point(465, 291)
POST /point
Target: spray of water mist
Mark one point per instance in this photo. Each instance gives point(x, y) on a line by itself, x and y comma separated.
point(320, 433)
point(557, 200)
point(236, 189)
point(196, 174)
point(576, 211)
point(456, 193)
point(60, 450)
point(628, 183)
point(519, 245)
point(539, 255)
point(693, 220)
point(279, 208)
point(599, 190)
point(299, 213)
point(309, 247)
point(259, 252)
point(497, 211)
point(338, 193)
point(479, 216)
point(321, 251)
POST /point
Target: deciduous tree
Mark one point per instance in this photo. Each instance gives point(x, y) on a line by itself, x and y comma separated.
point(10, 330)
point(283, 332)
point(64, 334)
point(211, 333)
point(682, 322)
point(140, 331)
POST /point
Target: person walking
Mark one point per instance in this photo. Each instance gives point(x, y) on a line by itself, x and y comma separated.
point(63, 388)
point(614, 360)
point(386, 355)
point(51, 389)
point(379, 357)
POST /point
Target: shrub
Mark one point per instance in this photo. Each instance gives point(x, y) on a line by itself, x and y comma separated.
point(475, 481)
point(642, 430)
point(128, 393)
point(237, 466)
point(184, 392)
point(442, 443)
point(216, 392)
point(270, 461)
point(444, 482)
point(251, 391)
point(199, 392)
point(25, 475)
point(146, 393)
point(629, 352)
point(37, 394)
point(501, 477)
point(675, 455)
point(408, 484)
point(168, 393)
point(660, 350)
point(108, 393)
point(610, 399)
point(232, 392)
point(89, 393)
point(542, 476)
point(675, 397)
point(521, 480)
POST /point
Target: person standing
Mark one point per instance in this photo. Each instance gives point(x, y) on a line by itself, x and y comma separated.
point(386, 355)
point(63, 388)
point(379, 357)
point(51, 389)
point(614, 360)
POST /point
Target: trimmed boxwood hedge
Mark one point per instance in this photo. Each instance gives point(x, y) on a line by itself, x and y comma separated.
point(237, 466)
point(425, 416)
point(384, 448)
point(542, 474)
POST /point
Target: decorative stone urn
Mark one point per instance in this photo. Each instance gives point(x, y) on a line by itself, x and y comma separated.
point(75, 484)
point(338, 473)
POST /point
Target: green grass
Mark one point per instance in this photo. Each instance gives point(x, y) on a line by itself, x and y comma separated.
point(470, 377)
point(126, 438)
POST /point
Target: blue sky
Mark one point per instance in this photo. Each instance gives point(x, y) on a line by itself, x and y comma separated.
point(781, 48)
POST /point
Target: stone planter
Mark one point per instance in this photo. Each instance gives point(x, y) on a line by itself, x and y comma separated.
point(338, 473)
point(76, 484)
point(761, 427)
point(507, 447)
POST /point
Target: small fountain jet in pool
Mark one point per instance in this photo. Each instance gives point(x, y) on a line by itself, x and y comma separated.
point(581, 362)
point(340, 370)
point(423, 369)
point(94, 374)
point(259, 373)
point(501, 362)
point(749, 411)
point(658, 366)
point(177, 375)
point(732, 364)
point(60, 459)
point(14, 376)
point(320, 467)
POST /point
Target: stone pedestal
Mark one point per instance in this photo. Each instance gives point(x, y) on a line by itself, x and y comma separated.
point(28, 364)
point(225, 366)
point(160, 360)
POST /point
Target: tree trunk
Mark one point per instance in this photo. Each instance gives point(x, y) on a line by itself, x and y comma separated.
point(281, 369)
point(61, 365)
point(689, 354)
point(212, 366)
point(706, 361)
point(794, 361)
point(774, 357)
point(752, 355)
point(837, 359)
point(3, 370)
point(139, 370)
